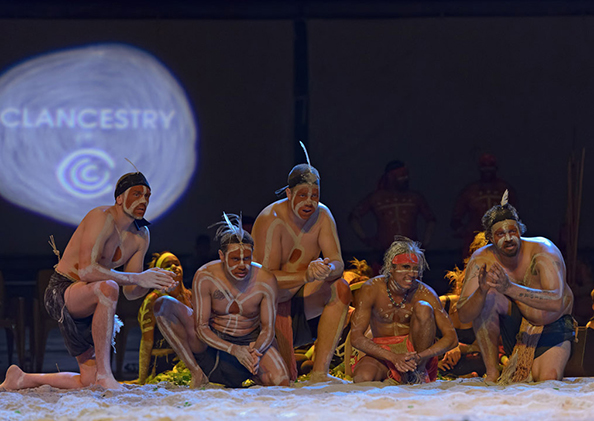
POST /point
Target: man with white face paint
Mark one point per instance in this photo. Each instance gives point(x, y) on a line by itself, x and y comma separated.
point(516, 286)
point(83, 292)
point(228, 337)
point(290, 235)
point(404, 314)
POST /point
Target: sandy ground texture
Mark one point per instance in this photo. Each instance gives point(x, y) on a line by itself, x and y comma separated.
point(471, 399)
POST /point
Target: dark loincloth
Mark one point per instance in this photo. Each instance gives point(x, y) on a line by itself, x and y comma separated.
point(222, 367)
point(552, 334)
point(304, 331)
point(77, 333)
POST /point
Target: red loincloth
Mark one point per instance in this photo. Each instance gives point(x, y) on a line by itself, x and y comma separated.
point(385, 342)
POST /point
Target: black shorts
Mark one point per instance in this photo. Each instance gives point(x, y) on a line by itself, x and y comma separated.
point(304, 331)
point(77, 333)
point(222, 367)
point(552, 334)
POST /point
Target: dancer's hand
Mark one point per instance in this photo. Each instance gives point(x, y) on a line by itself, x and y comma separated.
point(318, 270)
point(482, 279)
point(155, 278)
point(257, 354)
point(404, 362)
point(497, 278)
point(450, 359)
point(246, 357)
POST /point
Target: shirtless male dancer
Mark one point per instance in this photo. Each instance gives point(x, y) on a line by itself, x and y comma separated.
point(290, 234)
point(518, 281)
point(403, 313)
point(228, 337)
point(83, 292)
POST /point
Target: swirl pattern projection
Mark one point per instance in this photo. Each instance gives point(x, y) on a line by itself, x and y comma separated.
point(68, 119)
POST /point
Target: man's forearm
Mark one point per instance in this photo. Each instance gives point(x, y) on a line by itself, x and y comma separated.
point(289, 280)
point(264, 339)
point(95, 273)
point(206, 335)
point(337, 271)
point(439, 348)
point(471, 308)
point(536, 298)
point(370, 348)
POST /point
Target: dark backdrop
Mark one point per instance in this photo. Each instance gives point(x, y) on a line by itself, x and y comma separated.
point(433, 92)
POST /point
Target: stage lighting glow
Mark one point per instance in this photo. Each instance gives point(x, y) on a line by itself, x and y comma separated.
point(68, 119)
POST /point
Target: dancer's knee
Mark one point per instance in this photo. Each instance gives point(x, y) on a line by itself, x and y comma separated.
point(275, 379)
point(423, 311)
point(343, 291)
point(163, 306)
point(107, 292)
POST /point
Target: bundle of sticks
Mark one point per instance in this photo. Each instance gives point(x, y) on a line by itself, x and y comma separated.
point(575, 176)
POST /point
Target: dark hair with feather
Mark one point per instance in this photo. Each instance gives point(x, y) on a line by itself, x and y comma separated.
point(230, 231)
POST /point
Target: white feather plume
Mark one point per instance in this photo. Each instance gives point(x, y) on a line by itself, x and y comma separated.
point(132, 164)
point(504, 198)
point(306, 156)
point(238, 231)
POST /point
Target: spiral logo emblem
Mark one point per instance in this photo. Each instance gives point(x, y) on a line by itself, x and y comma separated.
point(86, 173)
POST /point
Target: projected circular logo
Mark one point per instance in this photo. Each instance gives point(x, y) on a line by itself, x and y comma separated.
point(68, 120)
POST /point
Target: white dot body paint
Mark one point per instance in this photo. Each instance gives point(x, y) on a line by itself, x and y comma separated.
point(129, 210)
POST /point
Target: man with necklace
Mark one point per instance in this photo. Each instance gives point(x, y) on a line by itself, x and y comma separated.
point(404, 314)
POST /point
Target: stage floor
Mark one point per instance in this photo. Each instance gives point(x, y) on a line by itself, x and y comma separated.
point(471, 399)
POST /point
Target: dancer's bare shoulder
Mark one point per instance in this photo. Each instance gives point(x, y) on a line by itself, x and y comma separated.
point(371, 289)
point(538, 245)
point(426, 293)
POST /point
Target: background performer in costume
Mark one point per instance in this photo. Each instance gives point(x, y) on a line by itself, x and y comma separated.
point(155, 354)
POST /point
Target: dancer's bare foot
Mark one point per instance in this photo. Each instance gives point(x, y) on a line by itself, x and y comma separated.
point(321, 377)
point(198, 380)
point(14, 379)
point(491, 377)
point(109, 382)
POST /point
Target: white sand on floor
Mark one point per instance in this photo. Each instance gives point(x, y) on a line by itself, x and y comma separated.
point(571, 399)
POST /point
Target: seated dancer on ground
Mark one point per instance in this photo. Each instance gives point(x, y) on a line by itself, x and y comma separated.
point(155, 354)
point(516, 286)
point(83, 292)
point(404, 314)
point(465, 358)
point(228, 337)
point(290, 235)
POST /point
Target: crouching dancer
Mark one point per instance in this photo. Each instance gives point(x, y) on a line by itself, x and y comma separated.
point(403, 313)
point(228, 337)
point(83, 292)
point(516, 286)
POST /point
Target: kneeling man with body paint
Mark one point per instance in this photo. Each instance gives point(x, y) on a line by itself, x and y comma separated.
point(515, 286)
point(403, 313)
point(83, 292)
point(290, 236)
point(228, 337)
